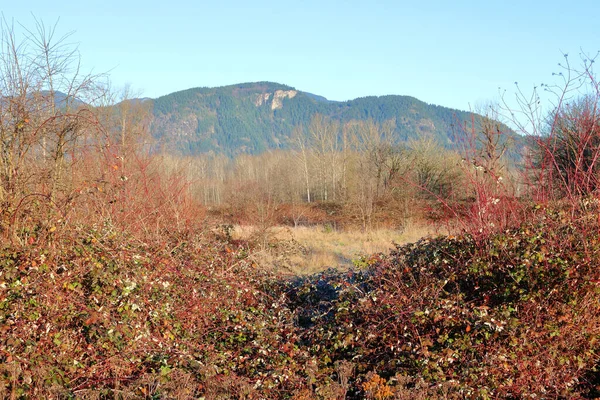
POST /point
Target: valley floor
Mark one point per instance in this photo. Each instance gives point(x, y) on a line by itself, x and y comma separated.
point(311, 249)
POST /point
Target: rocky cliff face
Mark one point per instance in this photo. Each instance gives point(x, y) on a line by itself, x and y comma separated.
point(279, 96)
point(261, 99)
point(277, 101)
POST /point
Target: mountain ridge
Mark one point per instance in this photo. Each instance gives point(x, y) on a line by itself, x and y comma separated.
point(253, 117)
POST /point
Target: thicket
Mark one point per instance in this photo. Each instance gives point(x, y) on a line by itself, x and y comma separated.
point(113, 285)
point(358, 172)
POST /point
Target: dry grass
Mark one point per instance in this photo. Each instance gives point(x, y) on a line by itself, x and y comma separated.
point(306, 250)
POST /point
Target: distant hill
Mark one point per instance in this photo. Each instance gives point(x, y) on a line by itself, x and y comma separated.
point(254, 117)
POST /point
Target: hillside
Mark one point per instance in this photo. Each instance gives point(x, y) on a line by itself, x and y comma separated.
point(254, 117)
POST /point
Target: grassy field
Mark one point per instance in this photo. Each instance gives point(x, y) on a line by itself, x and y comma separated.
point(307, 250)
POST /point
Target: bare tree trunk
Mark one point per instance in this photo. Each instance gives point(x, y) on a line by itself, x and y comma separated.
point(300, 142)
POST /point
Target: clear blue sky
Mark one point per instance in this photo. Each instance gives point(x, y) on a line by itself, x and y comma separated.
point(451, 53)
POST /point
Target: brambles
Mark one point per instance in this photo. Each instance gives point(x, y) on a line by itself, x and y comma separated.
point(113, 285)
point(103, 313)
point(508, 316)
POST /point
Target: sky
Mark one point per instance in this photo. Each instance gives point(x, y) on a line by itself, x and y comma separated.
point(451, 53)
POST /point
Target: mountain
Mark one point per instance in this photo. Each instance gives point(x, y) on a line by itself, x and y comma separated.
point(254, 117)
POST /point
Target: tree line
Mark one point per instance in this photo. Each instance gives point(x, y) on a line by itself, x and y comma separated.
point(359, 165)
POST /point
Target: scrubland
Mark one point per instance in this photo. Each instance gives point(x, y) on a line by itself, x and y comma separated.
point(123, 275)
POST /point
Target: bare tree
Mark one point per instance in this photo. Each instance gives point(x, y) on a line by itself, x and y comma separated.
point(561, 119)
point(63, 94)
point(44, 113)
point(435, 170)
point(301, 145)
point(324, 139)
point(377, 161)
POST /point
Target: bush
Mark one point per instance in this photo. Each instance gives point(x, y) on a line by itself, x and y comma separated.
point(513, 315)
point(571, 151)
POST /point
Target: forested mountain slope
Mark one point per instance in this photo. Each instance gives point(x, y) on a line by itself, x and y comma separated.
point(254, 117)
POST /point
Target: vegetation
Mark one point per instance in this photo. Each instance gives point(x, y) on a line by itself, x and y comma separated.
point(307, 250)
point(361, 181)
point(120, 277)
point(247, 118)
